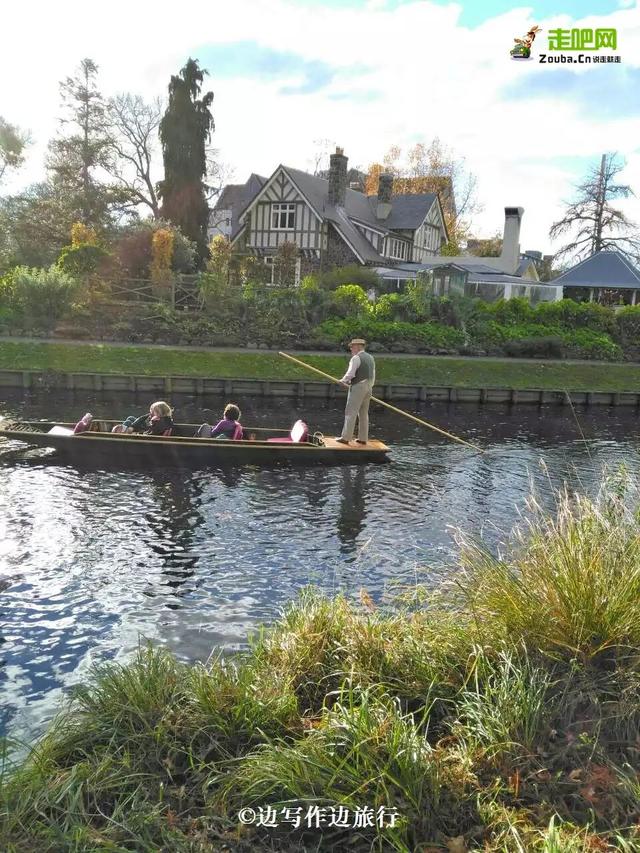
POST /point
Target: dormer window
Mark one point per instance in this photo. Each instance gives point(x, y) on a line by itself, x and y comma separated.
point(283, 217)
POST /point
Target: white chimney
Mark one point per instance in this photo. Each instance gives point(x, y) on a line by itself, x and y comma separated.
point(510, 254)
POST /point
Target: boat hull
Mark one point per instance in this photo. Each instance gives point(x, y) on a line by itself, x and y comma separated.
point(153, 451)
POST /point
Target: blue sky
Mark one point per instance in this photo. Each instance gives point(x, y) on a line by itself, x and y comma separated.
point(294, 78)
point(476, 12)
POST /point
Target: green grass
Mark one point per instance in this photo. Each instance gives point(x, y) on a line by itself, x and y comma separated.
point(500, 713)
point(421, 370)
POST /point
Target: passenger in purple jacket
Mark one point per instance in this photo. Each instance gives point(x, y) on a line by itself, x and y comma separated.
point(229, 427)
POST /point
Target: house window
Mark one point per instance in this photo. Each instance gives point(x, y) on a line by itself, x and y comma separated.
point(397, 250)
point(270, 261)
point(283, 217)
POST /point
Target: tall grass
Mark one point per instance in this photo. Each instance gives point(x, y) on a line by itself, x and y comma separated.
point(570, 588)
point(500, 715)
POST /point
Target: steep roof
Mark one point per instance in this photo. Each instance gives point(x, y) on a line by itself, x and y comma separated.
point(407, 211)
point(607, 268)
point(352, 236)
point(235, 197)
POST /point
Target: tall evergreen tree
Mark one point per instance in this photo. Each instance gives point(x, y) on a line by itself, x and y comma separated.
point(77, 156)
point(185, 130)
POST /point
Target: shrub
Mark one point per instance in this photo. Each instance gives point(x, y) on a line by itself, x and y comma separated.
point(425, 335)
point(218, 296)
point(627, 322)
point(37, 298)
point(132, 248)
point(81, 260)
point(511, 312)
point(543, 347)
point(352, 274)
point(394, 306)
point(274, 316)
point(315, 299)
point(576, 315)
point(349, 300)
point(585, 343)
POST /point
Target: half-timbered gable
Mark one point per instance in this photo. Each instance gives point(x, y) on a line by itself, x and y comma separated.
point(280, 213)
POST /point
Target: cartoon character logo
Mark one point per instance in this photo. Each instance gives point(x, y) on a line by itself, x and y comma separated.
point(522, 50)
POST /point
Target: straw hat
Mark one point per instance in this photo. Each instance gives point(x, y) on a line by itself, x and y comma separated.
point(360, 341)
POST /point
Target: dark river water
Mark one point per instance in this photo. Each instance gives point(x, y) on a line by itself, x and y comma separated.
point(93, 561)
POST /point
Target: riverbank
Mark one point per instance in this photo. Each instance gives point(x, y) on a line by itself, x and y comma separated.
point(500, 715)
point(444, 371)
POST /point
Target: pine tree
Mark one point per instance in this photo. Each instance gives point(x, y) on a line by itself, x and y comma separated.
point(77, 157)
point(185, 130)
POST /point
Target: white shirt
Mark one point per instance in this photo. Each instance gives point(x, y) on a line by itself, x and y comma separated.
point(354, 364)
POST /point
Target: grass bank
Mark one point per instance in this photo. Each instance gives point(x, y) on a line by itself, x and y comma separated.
point(501, 714)
point(239, 364)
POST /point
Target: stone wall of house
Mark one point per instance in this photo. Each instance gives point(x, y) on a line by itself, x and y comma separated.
point(337, 254)
point(308, 266)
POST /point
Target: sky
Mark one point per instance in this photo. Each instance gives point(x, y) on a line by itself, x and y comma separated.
point(361, 74)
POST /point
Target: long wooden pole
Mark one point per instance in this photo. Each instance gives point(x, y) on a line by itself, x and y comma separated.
point(385, 404)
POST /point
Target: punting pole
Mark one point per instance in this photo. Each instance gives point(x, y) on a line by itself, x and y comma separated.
point(386, 405)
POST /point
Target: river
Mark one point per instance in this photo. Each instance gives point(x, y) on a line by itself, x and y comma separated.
point(94, 561)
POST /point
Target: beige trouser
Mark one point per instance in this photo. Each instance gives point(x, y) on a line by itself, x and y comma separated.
point(357, 407)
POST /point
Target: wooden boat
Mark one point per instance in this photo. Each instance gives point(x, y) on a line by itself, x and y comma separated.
point(182, 447)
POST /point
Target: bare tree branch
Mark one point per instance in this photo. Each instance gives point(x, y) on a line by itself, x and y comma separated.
point(133, 139)
point(591, 218)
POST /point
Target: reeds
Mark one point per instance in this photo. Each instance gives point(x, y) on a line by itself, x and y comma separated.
point(502, 714)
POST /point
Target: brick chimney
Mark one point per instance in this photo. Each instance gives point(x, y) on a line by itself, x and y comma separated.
point(337, 178)
point(510, 254)
point(385, 191)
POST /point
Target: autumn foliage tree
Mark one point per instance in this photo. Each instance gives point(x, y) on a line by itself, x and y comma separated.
point(185, 130)
point(161, 257)
point(432, 169)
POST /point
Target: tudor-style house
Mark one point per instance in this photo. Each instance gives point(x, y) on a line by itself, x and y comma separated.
point(332, 224)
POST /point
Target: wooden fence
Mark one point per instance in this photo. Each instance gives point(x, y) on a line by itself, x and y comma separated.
point(181, 291)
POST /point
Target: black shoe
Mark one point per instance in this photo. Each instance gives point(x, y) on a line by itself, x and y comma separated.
point(342, 440)
point(360, 441)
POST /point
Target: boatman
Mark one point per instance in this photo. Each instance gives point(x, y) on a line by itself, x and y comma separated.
point(360, 379)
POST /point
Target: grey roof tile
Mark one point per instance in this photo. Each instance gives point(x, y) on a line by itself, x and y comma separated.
point(607, 268)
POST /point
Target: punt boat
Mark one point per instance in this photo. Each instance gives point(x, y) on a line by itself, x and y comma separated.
point(265, 447)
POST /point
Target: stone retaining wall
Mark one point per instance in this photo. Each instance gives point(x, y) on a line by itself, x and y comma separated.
point(161, 385)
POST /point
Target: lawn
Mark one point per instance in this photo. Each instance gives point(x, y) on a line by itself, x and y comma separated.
point(239, 364)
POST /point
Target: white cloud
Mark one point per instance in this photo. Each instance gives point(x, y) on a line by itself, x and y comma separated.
point(433, 77)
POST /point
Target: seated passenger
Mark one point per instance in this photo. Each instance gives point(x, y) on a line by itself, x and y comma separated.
point(160, 419)
point(83, 424)
point(132, 424)
point(229, 427)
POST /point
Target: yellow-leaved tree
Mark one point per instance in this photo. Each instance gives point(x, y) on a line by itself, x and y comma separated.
point(83, 235)
point(161, 257)
point(432, 169)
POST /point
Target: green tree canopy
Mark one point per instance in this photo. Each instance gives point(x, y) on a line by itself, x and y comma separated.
point(12, 144)
point(81, 152)
point(185, 130)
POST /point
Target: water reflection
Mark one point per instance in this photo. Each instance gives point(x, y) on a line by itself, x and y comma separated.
point(92, 560)
point(353, 507)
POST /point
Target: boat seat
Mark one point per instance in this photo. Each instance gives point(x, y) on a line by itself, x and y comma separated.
point(299, 433)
